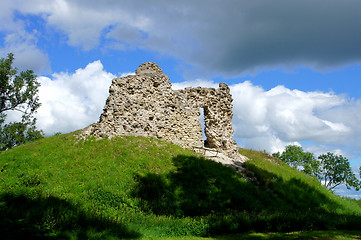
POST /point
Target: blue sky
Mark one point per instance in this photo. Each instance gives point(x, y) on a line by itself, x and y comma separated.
point(294, 67)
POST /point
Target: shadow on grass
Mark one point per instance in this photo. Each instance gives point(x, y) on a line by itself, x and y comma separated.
point(197, 187)
point(203, 188)
point(22, 217)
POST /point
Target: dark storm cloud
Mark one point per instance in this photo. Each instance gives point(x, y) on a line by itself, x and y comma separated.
point(241, 36)
point(233, 36)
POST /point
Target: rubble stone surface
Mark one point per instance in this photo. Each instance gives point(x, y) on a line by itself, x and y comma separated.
point(144, 104)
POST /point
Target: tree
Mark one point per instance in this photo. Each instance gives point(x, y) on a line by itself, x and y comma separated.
point(18, 92)
point(332, 170)
point(296, 157)
point(336, 170)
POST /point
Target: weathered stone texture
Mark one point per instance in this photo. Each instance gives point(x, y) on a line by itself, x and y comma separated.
point(145, 105)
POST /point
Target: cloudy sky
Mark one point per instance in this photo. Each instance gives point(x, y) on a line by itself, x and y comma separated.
point(294, 67)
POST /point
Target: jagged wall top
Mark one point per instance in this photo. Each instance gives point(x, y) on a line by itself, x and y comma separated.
point(144, 104)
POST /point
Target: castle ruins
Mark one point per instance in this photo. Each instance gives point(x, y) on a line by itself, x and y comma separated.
point(144, 104)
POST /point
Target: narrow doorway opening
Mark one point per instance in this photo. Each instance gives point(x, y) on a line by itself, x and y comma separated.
point(203, 126)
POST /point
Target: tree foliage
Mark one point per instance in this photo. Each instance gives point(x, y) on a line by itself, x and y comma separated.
point(296, 157)
point(336, 170)
point(18, 92)
point(331, 169)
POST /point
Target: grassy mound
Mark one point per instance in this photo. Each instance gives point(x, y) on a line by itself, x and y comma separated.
point(132, 187)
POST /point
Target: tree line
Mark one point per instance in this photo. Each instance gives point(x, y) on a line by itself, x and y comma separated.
point(330, 169)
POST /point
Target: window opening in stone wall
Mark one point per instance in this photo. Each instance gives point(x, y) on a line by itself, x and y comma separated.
point(203, 127)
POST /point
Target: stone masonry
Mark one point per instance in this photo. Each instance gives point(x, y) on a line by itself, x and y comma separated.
point(144, 104)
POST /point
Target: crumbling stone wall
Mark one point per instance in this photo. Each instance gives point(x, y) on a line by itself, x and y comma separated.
point(217, 105)
point(144, 104)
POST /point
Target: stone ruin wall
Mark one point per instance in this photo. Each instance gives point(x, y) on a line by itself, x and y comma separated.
point(144, 104)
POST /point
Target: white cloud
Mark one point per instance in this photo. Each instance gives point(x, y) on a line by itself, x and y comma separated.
point(84, 22)
point(284, 115)
point(7, 23)
point(83, 26)
point(19, 41)
point(72, 101)
point(26, 53)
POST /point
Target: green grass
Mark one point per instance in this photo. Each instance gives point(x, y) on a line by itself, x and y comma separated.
point(134, 187)
point(324, 235)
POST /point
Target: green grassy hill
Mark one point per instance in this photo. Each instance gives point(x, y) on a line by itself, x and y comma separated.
point(134, 187)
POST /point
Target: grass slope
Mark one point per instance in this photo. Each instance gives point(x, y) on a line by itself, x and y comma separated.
point(133, 187)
